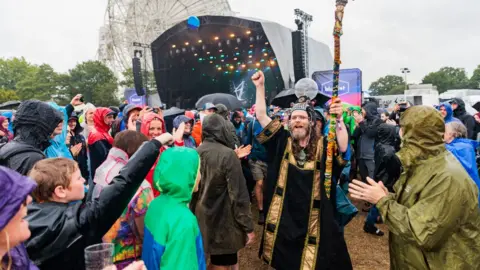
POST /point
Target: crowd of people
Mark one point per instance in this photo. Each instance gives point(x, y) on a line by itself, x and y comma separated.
point(183, 200)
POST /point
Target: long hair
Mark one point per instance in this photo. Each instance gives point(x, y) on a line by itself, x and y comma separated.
point(310, 149)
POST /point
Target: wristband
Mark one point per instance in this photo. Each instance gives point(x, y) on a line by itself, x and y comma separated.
point(179, 143)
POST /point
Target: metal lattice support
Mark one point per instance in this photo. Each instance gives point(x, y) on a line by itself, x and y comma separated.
point(305, 20)
point(142, 21)
point(332, 138)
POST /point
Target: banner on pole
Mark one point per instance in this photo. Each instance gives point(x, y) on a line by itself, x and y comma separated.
point(132, 97)
point(349, 85)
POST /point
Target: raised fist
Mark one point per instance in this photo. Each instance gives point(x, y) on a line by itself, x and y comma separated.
point(258, 79)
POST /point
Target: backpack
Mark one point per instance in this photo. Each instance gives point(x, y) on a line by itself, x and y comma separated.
point(20, 149)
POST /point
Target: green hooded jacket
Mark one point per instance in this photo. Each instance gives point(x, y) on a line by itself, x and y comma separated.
point(172, 238)
point(433, 217)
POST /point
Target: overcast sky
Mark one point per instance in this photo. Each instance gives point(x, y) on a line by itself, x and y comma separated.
point(380, 36)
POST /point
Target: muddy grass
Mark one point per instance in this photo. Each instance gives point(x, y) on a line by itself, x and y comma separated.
point(366, 251)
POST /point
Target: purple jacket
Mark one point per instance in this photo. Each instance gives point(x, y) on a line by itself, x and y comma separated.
point(14, 189)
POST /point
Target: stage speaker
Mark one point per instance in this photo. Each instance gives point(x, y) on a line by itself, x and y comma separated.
point(298, 46)
point(137, 76)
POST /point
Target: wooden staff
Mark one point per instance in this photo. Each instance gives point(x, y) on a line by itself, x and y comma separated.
point(332, 138)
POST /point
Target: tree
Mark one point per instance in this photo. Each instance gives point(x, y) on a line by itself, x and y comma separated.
point(95, 81)
point(42, 84)
point(129, 83)
point(475, 79)
point(448, 78)
point(388, 85)
point(14, 70)
point(7, 95)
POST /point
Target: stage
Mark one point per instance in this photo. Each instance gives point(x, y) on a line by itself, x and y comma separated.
point(222, 54)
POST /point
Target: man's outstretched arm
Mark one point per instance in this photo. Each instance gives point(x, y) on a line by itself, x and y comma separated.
point(260, 106)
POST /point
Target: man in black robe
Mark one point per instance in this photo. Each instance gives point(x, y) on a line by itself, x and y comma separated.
point(300, 228)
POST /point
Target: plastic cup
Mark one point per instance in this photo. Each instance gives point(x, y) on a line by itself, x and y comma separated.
point(98, 256)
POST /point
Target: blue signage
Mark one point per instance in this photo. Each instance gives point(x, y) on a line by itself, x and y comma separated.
point(132, 97)
point(349, 85)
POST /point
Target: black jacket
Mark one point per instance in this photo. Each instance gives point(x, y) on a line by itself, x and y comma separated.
point(387, 164)
point(364, 135)
point(81, 158)
point(61, 232)
point(34, 123)
point(467, 119)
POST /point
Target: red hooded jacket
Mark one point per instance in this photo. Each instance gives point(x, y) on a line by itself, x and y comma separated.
point(99, 140)
point(145, 127)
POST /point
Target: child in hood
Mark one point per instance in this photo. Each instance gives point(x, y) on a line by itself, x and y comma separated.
point(172, 235)
point(62, 229)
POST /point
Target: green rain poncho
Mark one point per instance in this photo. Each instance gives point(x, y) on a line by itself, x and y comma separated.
point(433, 217)
point(172, 238)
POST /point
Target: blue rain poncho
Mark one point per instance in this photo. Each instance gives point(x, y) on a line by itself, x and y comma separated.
point(58, 147)
point(464, 151)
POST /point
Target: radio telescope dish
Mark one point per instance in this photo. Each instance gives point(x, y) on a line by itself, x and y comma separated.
point(142, 21)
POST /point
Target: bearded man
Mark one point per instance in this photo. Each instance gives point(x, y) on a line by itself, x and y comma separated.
point(300, 230)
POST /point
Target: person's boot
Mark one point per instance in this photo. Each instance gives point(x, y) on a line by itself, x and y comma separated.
point(261, 217)
point(372, 229)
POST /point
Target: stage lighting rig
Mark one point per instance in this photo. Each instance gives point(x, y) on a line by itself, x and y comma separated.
point(303, 21)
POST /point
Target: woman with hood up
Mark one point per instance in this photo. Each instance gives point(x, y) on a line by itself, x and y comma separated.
point(153, 126)
point(58, 148)
point(433, 216)
point(5, 134)
point(86, 119)
point(447, 113)
point(99, 140)
point(172, 234)
point(187, 140)
point(9, 116)
point(14, 191)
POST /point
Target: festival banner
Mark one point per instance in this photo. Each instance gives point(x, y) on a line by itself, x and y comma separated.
point(132, 98)
point(349, 85)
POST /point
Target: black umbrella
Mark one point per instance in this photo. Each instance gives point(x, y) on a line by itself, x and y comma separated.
point(173, 111)
point(477, 106)
point(228, 100)
point(10, 105)
point(286, 97)
point(169, 115)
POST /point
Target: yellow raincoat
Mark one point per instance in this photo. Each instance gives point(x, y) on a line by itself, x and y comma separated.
point(433, 217)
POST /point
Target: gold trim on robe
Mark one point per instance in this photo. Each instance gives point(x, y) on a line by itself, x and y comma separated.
point(269, 131)
point(312, 239)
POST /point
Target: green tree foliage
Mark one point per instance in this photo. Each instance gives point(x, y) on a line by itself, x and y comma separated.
point(388, 85)
point(475, 79)
point(448, 78)
point(41, 84)
point(14, 70)
point(95, 81)
point(7, 95)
